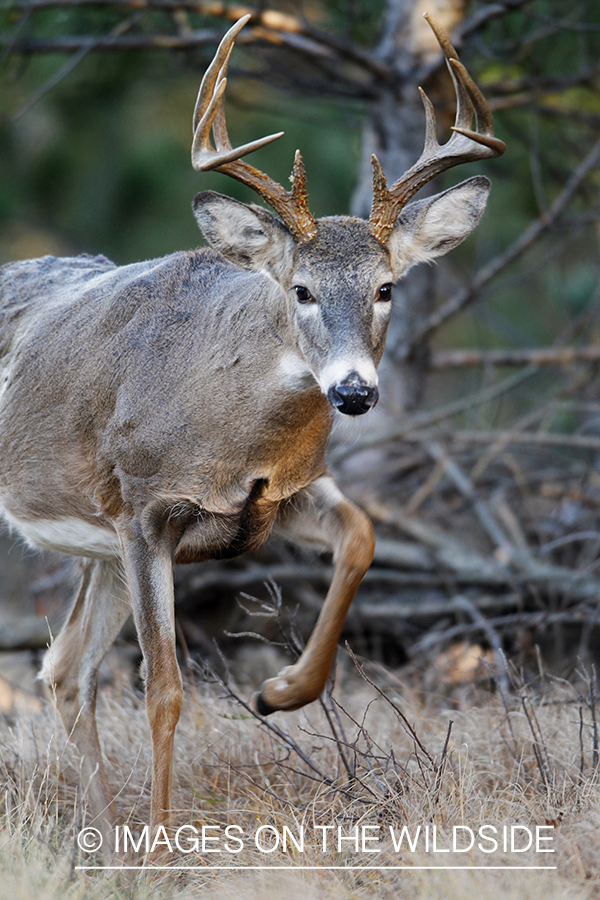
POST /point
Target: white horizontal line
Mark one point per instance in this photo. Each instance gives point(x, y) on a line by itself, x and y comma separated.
point(310, 868)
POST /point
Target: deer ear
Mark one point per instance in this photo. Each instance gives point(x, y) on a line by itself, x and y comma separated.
point(431, 227)
point(248, 236)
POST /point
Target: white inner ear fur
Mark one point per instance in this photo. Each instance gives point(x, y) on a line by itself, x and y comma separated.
point(240, 225)
point(429, 228)
point(247, 235)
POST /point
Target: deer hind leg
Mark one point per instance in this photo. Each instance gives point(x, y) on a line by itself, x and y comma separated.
point(71, 670)
point(321, 515)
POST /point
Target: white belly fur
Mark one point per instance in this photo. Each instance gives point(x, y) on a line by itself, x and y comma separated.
point(67, 535)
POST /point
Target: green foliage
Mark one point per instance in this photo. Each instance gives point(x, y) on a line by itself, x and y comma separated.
point(359, 21)
point(101, 163)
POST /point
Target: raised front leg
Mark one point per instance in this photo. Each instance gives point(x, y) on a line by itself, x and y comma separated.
point(321, 515)
point(150, 575)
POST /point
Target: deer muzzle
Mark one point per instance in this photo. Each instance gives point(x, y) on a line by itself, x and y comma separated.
point(353, 396)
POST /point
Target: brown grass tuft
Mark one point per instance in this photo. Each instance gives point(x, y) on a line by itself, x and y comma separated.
point(366, 756)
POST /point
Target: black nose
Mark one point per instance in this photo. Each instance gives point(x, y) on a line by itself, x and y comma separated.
point(353, 398)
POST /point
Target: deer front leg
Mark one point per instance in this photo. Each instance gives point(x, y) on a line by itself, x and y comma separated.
point(149, 571)
point(321, 515)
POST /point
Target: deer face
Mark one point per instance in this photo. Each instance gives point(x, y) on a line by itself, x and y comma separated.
point(340, 293)
point(338, 284)
point(337, 289)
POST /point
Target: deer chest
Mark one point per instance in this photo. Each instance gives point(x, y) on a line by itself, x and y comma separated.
point(208, 535)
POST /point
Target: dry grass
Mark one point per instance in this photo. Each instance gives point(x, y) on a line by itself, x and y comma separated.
point(517, 761)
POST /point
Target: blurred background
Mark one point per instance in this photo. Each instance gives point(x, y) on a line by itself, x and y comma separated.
point(481, 465)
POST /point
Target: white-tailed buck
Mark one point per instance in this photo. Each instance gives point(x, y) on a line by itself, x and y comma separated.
point(177, 410)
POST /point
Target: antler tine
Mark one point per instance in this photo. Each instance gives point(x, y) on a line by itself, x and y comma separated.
point(485, 125)
point(431, 141)
point(465, 145)
point(292, 205)
point(216, 70)
point(208, 112)
point(469, 98)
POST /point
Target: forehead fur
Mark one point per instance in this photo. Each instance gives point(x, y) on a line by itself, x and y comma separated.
point(343, 238)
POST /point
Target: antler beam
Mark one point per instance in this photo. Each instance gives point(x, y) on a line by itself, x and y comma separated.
point(465, 145)
point(292, 205)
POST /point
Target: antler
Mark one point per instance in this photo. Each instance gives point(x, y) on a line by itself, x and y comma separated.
point(292, 205)
point(465, 145)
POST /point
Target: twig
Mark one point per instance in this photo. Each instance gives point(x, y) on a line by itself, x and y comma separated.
point(593, 688)
point(539, 86)
point(508, 718)
point(396, 708)
point(531, 620)
point(68, 67)
point(440, 772)
point(335, 740)
point(77, 44)
point(256, 575)
point(544, 356)
point(486, 14)
point(532, 233)
point(271, 25)
point(424, 419)
point(59, 76)
point(460, 480)
point(338, 741)
point(537, 749)
point(270, 726)
point(463, 436)
point(581, 753)
point(492, 635)
point(238, 770)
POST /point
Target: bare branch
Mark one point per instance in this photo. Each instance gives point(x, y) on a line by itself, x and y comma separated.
point(76, 44)
point(467, 295)
point(464, 485)
point(431, 417)
point(535, 438)
point(68, 67)
point(270, 25)
point(537, 86)
point(538, 356)
point(486, 14)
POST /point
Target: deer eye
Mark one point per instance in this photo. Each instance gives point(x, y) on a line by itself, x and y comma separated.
point(303, 294)
point(384, 293)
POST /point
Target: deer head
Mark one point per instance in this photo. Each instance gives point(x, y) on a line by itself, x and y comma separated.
point(338, 272)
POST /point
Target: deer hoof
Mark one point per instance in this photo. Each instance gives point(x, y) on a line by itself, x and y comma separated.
point(260, 705)
point(275, 694)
